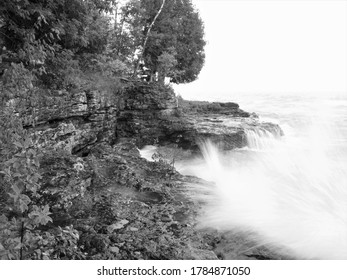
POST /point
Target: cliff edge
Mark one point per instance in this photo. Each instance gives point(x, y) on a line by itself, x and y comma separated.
point(113, 203)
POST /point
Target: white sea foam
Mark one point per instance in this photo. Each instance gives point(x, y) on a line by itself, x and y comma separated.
point(291, 192)
point(147, 152)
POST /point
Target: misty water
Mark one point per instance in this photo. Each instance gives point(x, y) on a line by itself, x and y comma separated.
point(288, 192)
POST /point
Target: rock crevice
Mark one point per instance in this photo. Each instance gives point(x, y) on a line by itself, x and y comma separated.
point(123, 206)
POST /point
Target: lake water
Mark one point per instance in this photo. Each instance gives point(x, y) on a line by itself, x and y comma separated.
point(290, 191)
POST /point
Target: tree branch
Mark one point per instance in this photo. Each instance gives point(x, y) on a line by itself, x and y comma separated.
point(147, 36)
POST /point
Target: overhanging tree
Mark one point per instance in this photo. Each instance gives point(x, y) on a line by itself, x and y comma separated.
point(148, 32)
point(171, 32)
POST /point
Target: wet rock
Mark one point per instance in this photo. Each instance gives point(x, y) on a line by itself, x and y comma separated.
point(148, 113)
point(237, 245)
point(96, 179)
point(155, 118)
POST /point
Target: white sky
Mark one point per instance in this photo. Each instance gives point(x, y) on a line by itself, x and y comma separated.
point(293, 46)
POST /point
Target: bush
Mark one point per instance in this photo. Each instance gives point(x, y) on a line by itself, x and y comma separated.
point(25, 215)
point(61, 71)
point(21, 184)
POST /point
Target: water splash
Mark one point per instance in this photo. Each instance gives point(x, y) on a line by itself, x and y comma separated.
point(292, 197)
point(147, 152)
point(260, 139)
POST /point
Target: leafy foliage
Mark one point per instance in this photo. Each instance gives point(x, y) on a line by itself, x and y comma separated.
point(47, 37)
point(69, 44)
point(52, 38)
point(24, 211)
point(21, 177)
point(166, 64)
point(175, 46)
point(178, 25)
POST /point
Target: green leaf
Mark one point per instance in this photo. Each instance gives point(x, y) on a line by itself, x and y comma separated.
point(24, 202)
point(40, 216)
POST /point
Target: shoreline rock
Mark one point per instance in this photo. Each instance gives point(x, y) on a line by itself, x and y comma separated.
point(185, 123)
point(123, 206)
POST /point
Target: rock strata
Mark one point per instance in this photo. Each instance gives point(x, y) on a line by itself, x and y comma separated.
point(148, 113)
point(123, 206)
point(155, 117)
point(74, 120)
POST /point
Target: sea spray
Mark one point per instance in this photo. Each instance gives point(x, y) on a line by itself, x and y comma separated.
point(291, 198)
point(289, 192)
point(260, 139)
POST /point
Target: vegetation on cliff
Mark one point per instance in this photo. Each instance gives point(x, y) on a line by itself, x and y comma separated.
point(59, 42)
point(72, 115)
point(61, 69)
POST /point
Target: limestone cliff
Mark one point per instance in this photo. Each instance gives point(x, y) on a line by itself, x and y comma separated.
point(147, 113)
point(152, 114)
point(123, 206)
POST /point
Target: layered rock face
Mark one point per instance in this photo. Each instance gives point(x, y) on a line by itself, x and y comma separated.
point(148, 113)
point(123, 206)
point(73, 121)
point(152, 114)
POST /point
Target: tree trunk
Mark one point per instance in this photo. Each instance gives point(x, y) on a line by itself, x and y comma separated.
point(120, 37)
point(146, 38)
point(116, 17)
